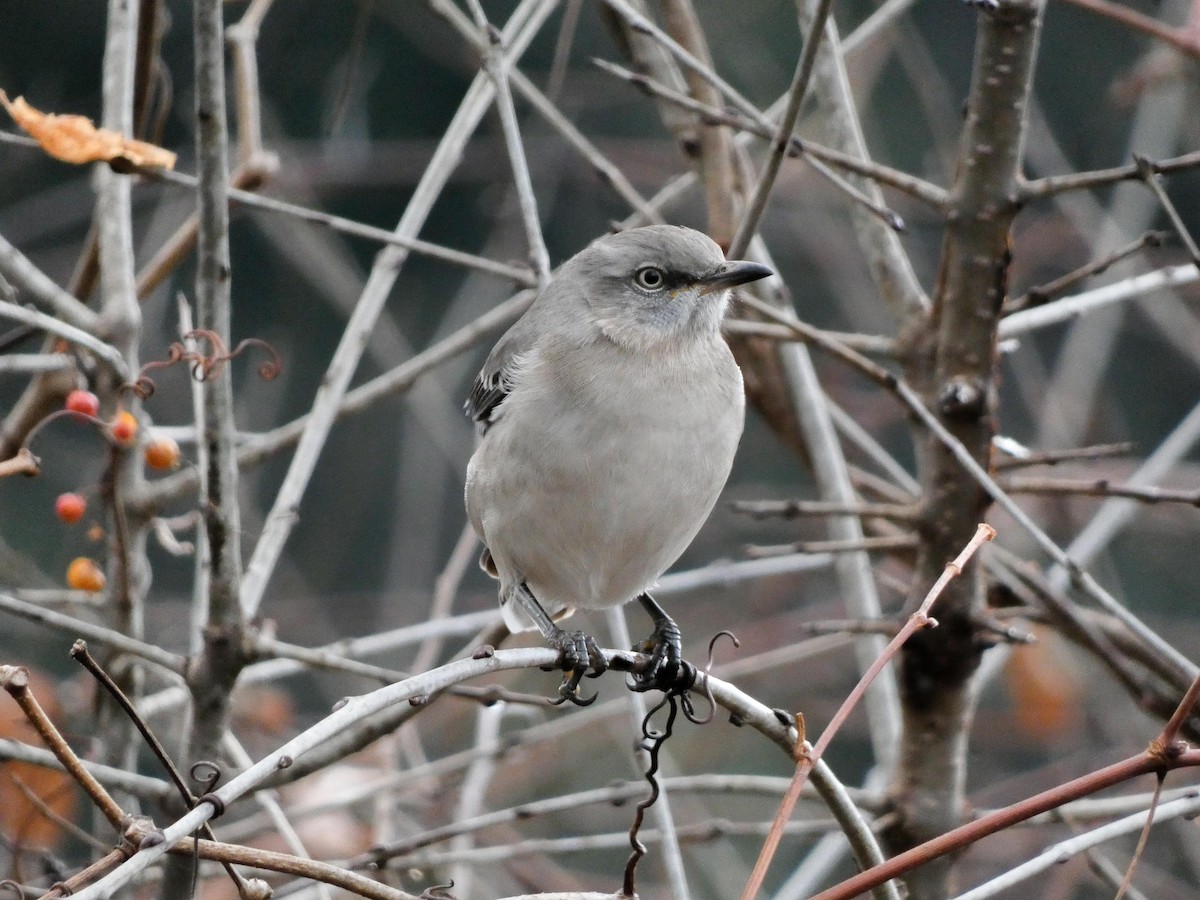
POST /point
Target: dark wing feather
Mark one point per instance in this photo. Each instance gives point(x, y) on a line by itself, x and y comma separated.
point(488, 391)
point(495, 380)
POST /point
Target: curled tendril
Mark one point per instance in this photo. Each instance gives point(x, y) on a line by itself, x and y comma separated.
point(654, 739)
point(205, 773)
point(9, 885)
point(204, 366)
point(268, 369)
point(675, 700)
point(438, 892)
point(689, 711)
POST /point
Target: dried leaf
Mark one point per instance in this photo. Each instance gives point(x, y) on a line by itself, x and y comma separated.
point(31, 795)
point(75, 139)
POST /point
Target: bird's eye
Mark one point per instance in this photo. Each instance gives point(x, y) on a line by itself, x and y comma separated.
point(650, 278)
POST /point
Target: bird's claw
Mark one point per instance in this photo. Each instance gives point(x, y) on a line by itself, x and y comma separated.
point(579, 655)
point(666, 669)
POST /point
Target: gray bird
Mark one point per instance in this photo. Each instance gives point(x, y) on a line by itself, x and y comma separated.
point(610, 413)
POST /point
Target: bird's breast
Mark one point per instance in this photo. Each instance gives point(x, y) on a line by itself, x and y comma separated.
point(598, 475)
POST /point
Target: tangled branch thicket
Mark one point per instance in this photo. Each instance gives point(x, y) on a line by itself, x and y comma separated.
point(985, 309)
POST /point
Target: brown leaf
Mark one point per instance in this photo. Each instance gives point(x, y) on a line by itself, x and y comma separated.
point(30, 823)
point(75, 139)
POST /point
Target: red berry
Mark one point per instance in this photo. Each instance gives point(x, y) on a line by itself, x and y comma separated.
point(123, 428)
point(70, 507)
point(84, 575)
point(162, 453)
point(84, 402)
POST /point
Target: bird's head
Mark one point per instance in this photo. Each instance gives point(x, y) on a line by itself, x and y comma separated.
point(658, 284)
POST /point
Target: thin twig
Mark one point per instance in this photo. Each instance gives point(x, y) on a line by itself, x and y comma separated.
point(614, 794)
point(1182, 39)
point(917, 188)
point(1078, 575)
point(1097, 487)
point(67, 332)
point(151, 790)
point(35, 363)
point(807, 758)
point(334, 385)
point(1036, 296)
point(794, 509)
point(1127, 881)
point(1162, 755)
point(1054, 457)
point(1057, 854)
point(1068, 307)
point(363, 397)
point(609, 172)
point(714, 159)
point(887, 259)
point(80, 653)
point(864, 343)
point(853, 545)
point(15, 680)
point(269, 860)
point(518, 274)
point(152, 653)
point(23, 463)
point(1080, 181)
point(18, 269)
point(1150, 177)
point(496, 64)
point(42, 805)
point(799, 86)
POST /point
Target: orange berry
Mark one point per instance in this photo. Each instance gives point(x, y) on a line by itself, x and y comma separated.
point(84, 575)
point(84, 402)
point(70, 507)
point(162, 453)
point(123, 428)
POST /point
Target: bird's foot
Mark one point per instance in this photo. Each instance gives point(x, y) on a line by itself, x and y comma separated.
point(665, 670)
point(579, 652)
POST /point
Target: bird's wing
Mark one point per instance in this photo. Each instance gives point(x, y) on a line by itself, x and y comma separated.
point(495, 380)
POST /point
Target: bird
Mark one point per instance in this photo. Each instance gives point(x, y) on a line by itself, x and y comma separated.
point(609, 415)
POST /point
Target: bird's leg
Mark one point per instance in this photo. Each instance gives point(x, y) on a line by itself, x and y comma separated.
point(580, 651)
point(666, 669)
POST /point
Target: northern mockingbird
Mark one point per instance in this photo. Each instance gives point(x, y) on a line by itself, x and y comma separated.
point(610, 413)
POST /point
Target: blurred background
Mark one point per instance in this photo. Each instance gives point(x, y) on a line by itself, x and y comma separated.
point(355, 97)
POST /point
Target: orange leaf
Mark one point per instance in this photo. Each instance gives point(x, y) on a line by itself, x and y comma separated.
point(23, 821)
point(75, 139)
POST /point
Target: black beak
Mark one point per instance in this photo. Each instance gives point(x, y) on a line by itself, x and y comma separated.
point(732, 273)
